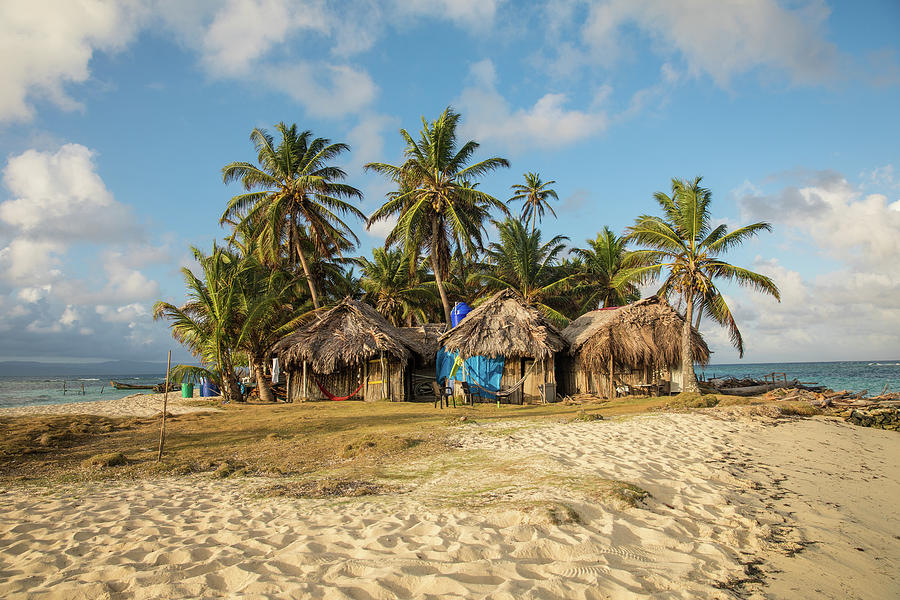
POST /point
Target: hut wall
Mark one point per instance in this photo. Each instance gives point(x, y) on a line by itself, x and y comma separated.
point(538, 375)
point(340, 383)
point(580, 380)
point(394, 385)
point(512, 372)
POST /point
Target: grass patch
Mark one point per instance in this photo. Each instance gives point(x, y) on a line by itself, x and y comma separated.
point(327, 488)
point(798, 409)
point(586, 417)
point(112, 459)
point(693, 400)
point(296, 440)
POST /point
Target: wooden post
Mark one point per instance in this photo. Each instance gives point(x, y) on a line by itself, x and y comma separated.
point(64, 387)
point(162, 428)
point(383, 375)
point(288, 399)
point(612, 379)
point(82, 388)
point(305, 383)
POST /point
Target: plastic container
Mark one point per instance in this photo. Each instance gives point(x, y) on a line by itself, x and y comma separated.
point(187, 390)
point(459, 312)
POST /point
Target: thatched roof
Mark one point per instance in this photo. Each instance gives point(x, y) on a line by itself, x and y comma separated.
point(348, 334)
point(504, 326)
point(425, 337)
point(645, 333)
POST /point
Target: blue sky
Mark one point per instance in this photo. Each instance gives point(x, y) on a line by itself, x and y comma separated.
point(116, 118)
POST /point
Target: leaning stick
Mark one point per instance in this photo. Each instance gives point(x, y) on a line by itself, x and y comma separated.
point(162, 428)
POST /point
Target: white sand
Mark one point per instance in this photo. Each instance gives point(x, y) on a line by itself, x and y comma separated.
point(135, 405)
point(725, 494)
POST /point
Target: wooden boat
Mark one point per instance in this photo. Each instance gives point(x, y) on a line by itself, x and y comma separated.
point(130, 386)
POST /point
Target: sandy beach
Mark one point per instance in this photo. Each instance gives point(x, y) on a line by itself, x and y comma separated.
point(134, 405)
point(738, 507)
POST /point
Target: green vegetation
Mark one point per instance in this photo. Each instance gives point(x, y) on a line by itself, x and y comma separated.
point(292, 233)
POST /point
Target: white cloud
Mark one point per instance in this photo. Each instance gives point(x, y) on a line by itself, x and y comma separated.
point(242, 32)
point(59, 196)
point(471, 13)
point(29, 261)
point(366, 139)
point(851, 309)
point(47, 45)
point(489, 116)
point(728, 39)
point(324, 90)
point(837, 216)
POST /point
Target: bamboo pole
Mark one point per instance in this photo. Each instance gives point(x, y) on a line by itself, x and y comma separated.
point(305, 383)
point(162, 428)
point(612, 382)
point(383, 376)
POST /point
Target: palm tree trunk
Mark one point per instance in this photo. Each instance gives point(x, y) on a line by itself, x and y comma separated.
point(263, 383)
point(438, 280)
point(440, 286)
point(309, 279)
point(688, 378)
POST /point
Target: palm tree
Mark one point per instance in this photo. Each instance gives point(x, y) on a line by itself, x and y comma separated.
point(520, 262)
point(435, 204)
point(296, 195)
point(269, 309)
point(685, 243)
point(600, 262)
point(390, 288)
point(208, 323)
point(535, 197)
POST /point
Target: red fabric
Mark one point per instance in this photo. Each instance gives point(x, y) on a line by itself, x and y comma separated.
point(333, 397)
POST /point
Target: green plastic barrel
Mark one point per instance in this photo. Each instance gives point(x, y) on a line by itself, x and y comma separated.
point(187, 390)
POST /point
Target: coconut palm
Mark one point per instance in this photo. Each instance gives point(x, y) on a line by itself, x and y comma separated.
point(269, 307)
point(599, 264)
point(687, 246)
point(520, 261)
point(535, 197)
point(390, 288)
point(435, 204)
point(296, 195)
point(208, 323)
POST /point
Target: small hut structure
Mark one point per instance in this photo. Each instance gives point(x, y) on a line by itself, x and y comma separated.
point(351, 351)
point(638, 345)
point(505, 327)
point(422, 367)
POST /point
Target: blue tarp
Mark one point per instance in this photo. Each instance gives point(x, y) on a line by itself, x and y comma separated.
point(481, 370)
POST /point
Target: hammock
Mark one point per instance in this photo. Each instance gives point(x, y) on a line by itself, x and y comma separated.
point(332, 396)
point(505, 392)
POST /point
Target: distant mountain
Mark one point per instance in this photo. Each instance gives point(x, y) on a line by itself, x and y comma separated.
point(113, 367)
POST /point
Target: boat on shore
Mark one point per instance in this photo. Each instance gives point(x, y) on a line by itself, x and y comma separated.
point(156, 387)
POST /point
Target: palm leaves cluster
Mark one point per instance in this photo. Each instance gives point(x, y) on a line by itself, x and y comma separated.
point(286, 254)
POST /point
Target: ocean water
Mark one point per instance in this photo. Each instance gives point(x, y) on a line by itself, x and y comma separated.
point(855, 376)
point(32, 390)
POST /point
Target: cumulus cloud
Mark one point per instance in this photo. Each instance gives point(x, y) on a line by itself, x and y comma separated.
point(850, 309)
point(728, 40)
point(324, 90)
point(58, 207)
point(59, 197)
point(548, 122)
point(47, 45)
point(471, 13)
point(841, 220)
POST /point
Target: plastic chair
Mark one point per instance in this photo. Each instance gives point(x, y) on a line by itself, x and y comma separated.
point(441, 395)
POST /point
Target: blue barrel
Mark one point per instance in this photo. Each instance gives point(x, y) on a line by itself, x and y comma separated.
point(459, 312)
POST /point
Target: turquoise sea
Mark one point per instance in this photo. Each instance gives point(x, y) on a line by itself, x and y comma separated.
point(855, 376)
point(31, 390)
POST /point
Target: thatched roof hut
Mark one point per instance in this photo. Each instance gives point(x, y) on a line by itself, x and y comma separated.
point(504, 326)
point(349, 334)
point(638, 345)
point(646, 333)
point(426, 337)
